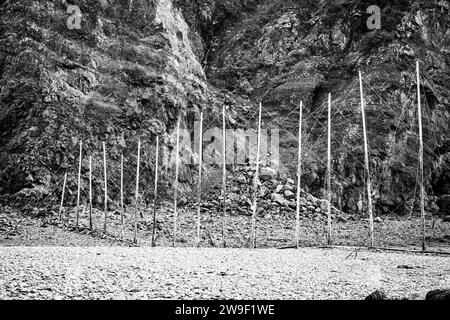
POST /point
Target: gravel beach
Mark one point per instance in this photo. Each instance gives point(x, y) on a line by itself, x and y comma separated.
point(190, 273)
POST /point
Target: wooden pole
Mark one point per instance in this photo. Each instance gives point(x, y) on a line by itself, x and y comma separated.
point(255, 183)
point(90, 192)
point(199, 189)
point(155, 192)
point(106, 188)
point(329, 240)
point(175, 213)
point(121, 196)
point(137, 191)
point(62, 197)
point(299, 175)
point(79, 184)
point(366, 160)
point(224, 177)
point(421, 177)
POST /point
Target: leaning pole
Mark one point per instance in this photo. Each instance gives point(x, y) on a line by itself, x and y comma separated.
point(255, 183)
point(137, 191)
point(199, 188)
point(224, 178)
point(329, 240)
point(90, 192)
point(175, 185)
point(155, 194)
point(366, 161)
point(106, 189)
point(299, 175)
point(422, 191)
point(62, 197)
point(121, 197)
point(79, 185)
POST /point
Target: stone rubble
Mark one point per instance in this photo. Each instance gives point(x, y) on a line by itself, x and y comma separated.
point(276, 196)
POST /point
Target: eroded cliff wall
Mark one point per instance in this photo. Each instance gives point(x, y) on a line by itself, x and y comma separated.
point(136, 66)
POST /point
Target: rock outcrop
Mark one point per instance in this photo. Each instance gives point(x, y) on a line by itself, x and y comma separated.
point(281, 52)
point(129, 73)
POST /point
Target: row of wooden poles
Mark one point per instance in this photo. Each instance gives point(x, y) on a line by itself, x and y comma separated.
point(77, 211)
point(255, 181)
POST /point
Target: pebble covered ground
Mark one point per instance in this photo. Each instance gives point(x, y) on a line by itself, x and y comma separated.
point(205, 273)
point(44, 259)
point(272, 231)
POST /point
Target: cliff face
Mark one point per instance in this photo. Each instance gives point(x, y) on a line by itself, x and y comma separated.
point(284, 52)
point(129, 72)
point(137, 66)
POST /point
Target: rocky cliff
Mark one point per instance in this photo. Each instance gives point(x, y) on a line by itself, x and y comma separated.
point(135, 67)
point(129, 72)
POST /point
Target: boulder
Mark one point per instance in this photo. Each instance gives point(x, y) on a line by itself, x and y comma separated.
point(267, 174)
point(377, 295)
point(241, 179)
point(233, 197)
point(263, 192)
point(293, 205)
point(439, 294)
point(112, 205)
point(289, 194)
point(182, 201)
point(278, 198)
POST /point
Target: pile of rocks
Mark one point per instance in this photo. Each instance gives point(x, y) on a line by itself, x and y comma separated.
point(275, 196)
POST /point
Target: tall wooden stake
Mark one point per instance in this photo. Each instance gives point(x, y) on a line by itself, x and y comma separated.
point(62, 197)
point(255, 183)
point(90, 192)
point(137, 191)
point(175, 196)
point(421, 178)
point(106, 188)
point(224, 178)
point(329, 240)
point(199, 189)
point(79, 184)
point(299, 175)
point(366, 159)
point(155, 192)
point(121, 196)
